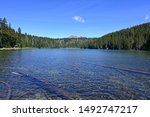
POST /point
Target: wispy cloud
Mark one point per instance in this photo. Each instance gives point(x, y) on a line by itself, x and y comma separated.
point(147, 17)
point(78, 19)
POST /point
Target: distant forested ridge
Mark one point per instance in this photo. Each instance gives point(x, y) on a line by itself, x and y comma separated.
point(137, 38)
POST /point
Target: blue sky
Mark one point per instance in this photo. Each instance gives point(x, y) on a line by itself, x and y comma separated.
point(62, 18)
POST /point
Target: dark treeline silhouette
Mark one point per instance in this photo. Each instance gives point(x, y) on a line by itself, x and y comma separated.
point(8, 36)
point(137, 38)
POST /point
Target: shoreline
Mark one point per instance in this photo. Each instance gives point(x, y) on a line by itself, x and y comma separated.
point(25, 48)
point(14, 48)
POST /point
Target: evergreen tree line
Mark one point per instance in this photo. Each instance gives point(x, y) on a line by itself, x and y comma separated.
point(136, 38)
point(10, 38)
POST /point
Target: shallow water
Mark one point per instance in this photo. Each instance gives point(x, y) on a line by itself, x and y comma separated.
point(75, 74)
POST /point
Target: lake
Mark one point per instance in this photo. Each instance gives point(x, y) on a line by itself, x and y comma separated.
point(74, 74)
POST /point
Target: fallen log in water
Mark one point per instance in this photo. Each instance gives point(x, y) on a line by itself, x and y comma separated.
point(128, 70)
point(122, 69)
point(9, 89)
point(48, 88)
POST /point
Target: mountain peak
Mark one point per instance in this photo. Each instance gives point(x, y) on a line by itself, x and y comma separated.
point(74, 36)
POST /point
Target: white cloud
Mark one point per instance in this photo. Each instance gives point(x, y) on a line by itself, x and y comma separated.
point(147, 17)
point(78, 19)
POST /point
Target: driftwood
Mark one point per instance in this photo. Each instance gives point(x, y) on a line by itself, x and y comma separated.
point(122, 69)
point(128, 70)
point(9, 89)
